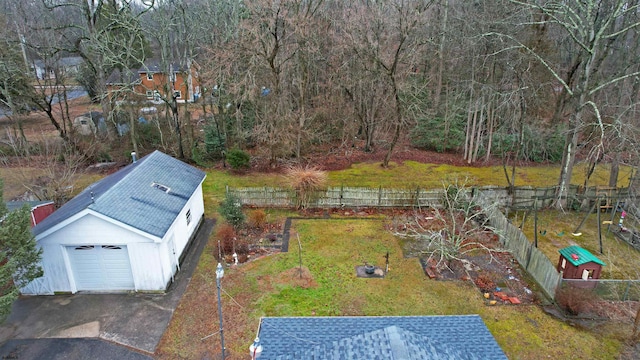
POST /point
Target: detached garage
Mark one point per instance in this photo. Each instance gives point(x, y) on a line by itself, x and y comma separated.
point(126, 232)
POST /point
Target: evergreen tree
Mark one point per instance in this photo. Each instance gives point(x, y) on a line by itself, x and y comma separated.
point(19, 254)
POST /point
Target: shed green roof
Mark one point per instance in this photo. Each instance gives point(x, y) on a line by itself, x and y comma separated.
point(582, 256)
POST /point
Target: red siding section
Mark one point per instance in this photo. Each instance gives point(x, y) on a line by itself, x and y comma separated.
point(39, 213)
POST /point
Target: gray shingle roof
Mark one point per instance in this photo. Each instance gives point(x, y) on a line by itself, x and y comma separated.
point(157, 66)
point(125, 77)
point(128, 195)
point(378, 337)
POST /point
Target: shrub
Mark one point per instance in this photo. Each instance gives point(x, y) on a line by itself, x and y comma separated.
point(214, 142)
point(575, 300)
point(257, 218)
point(436, 134)
point(230, 243)
point(305, 181)
point(231, 210)
point(226, 233)
point(535, 144)
point(238, 159)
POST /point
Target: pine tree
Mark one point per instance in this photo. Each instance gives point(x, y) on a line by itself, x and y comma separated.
point(19, 254)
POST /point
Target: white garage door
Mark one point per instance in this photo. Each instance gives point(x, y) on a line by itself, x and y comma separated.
point(101, 267)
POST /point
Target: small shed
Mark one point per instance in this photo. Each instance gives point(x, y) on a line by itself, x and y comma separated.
point(578, 263)
point(90, 123)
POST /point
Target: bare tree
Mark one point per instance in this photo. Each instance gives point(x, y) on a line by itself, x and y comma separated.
point(384, 36)
point(446, 234)
point(592, 30)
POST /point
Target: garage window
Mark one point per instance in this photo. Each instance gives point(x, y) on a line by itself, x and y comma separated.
point(188, 216)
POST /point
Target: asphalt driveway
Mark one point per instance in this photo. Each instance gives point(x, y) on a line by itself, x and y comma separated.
point(122, 326)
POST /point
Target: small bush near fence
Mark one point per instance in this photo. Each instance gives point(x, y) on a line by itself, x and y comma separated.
point(575, 300)
point(257, 218)
point(231, 210)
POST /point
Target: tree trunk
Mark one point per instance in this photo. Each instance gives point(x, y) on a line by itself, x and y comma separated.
point(398, 125)
point(443, 30)
point(176, 119)
point(615, 170)
point(490, 125)
point(568, 160)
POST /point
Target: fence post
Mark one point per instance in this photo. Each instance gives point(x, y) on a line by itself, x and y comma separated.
point(529, 251)
point(380, 196)
point(626, 291)
point(417, 203)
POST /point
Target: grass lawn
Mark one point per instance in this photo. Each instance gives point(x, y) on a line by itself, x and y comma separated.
point(330, 250)
point(557, 227)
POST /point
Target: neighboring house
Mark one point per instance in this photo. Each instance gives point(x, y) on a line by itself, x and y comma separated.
point(120, 85)
point(377, 337)
point(126, 232)
point(90, 123)
point(39, 209)
point(155, 81)
point(578, 263)
point(64, 67)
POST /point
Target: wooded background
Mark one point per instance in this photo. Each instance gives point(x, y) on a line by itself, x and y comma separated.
point(535, 80)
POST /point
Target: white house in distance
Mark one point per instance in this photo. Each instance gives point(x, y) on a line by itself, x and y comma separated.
point(126, 232)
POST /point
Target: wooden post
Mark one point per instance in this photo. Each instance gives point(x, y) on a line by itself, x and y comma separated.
point(613, 215)
point(585, 218)
point(535, 222)
point(386, 270)
point(524, 218)
point(599, 230)
point(299, 255)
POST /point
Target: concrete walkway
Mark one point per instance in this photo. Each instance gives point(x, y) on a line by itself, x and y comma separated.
point(134, 320)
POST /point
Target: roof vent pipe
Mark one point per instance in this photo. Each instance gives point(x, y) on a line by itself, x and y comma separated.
point(134, 156)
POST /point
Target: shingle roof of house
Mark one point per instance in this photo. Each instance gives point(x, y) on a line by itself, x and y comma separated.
point(126, 77)
point(582, 256)
point(66, 61)
point(156, 66)
point(130, 196)
point(377, 337)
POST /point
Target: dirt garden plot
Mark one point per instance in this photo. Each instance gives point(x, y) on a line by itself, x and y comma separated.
point(494, 271)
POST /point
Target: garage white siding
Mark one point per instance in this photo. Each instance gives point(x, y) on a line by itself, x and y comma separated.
point(100, 267)
point(124, 232)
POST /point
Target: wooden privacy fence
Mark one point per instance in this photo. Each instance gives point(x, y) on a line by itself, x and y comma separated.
point(333, 197)
point(532, 260)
